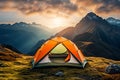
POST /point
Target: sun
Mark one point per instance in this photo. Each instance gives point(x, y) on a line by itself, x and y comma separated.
point(57, 22)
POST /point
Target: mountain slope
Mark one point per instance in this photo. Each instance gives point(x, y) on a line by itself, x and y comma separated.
point(22, 36)
point(66, 32)
point(36, 47)
point(105, 38)
point(7, 54)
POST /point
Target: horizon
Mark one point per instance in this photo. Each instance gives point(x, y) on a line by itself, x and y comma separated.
point(34, 23)
point(55, 13)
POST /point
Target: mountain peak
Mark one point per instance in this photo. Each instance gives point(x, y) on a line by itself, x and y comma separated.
point(91, 14)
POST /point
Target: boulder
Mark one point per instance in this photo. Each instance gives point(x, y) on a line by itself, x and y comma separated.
point(113, 69)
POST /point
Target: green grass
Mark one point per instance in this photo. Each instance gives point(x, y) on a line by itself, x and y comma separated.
point(20, 69)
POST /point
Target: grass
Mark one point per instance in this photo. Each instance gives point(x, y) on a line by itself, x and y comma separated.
point(8, 55)
point(20, 69)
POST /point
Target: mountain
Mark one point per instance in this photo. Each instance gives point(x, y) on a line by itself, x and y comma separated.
point(95, 37)
point(23, 36)
point(113, 21)
point(87, 24)
point(57, 29)
point(68, 33)
point(36, 47)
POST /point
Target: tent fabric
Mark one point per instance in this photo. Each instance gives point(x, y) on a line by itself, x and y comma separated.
point(74, 54)
point(59, 49)
point(45, 60)
point(68, 57)
point(44, 50)
point(72, 59)
point(71, 48)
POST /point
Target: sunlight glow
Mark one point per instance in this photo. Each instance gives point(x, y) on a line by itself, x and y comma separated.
point(57, 22)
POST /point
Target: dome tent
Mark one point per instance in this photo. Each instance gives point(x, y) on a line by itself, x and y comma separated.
point(63, 51)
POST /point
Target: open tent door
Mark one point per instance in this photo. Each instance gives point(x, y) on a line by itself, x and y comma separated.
point(58, 54)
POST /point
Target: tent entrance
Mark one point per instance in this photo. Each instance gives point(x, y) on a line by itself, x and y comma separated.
point(58, 54)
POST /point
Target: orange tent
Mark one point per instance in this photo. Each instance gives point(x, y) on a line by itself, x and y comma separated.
point(74, 56)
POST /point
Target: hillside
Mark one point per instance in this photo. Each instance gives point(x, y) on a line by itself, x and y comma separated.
point(7, 54)
point(36, 47)
point(105, 37)
point(21, 69)
point(23, 36)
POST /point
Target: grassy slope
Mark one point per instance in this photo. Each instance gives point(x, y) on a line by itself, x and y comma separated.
point(8, 55)
point(20, 69)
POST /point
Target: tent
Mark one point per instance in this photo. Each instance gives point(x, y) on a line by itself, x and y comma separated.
point(59, 51)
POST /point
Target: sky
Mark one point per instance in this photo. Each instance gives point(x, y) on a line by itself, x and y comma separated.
point(55, 13)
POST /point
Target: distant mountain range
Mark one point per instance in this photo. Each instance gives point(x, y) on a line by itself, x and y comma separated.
point(95, 36)
point(113, 21)
point(23, 36)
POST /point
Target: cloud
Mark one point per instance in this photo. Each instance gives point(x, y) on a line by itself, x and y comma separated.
point(62, 7)
point(101, 7)
point(109, 6)
point(59, 7)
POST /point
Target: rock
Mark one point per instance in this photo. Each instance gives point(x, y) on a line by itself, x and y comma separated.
point(59, 74)
point(113, 69)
